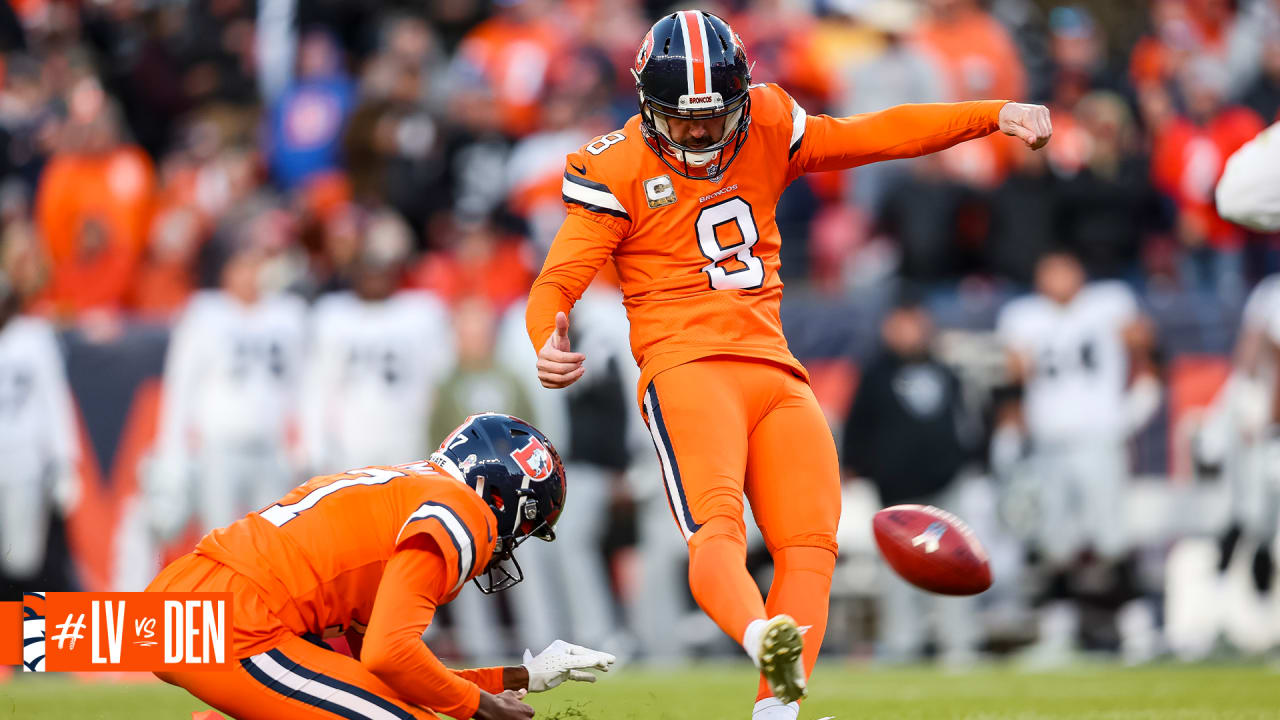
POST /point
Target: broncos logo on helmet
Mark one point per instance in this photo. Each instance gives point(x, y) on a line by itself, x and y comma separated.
point(534, 459)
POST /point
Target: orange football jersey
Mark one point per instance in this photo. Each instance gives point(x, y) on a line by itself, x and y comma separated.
point(318, 554)
point(698, 260)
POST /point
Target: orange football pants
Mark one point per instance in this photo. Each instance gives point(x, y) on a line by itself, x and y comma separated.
point(278, 674)
point(725, 427)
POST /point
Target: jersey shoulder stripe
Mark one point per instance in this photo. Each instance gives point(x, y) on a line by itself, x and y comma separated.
point(798, 116)
point(591, 195)
point(776, 113)
point(456, 530)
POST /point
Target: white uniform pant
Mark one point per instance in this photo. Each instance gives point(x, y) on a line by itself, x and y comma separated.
point(581, 579)
point(907, 613)
point(24, 513)
point(1255, 489)
point(1082, 493)
point(230, 482)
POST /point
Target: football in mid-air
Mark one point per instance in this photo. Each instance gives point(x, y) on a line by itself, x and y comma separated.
point(932, 549)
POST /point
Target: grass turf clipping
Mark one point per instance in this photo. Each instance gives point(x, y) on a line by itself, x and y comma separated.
point(846, 692)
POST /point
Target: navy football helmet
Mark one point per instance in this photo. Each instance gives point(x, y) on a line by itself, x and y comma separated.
point(518, 472)
point(692, 65)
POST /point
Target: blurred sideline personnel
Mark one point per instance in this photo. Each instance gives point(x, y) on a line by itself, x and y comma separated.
point(230, 388)
point(908, 400)
point(1237, 437)
point(1237, 440)
point(683, 199)
point(39, 447)
point(371, 554)
point(1082, 354)
point(376, 358)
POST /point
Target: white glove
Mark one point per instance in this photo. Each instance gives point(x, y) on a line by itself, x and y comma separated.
point(564, 661)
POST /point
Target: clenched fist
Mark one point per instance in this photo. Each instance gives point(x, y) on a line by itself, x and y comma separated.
point(1028, 123)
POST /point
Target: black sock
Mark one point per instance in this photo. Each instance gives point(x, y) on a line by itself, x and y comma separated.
point(1264, 569)
point(1227, 545)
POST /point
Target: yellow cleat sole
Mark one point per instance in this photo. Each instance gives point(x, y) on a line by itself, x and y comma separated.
point(780, 652)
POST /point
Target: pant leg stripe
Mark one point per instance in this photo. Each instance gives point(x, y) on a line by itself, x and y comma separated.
point(670, 468)
point(337, 684)
point(283, 676)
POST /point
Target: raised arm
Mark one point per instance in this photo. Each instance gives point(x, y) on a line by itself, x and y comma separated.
point(905, 131)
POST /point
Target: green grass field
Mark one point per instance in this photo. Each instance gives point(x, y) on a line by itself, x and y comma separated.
point(1099, 692)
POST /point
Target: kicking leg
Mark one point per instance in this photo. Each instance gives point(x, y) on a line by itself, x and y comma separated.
point(793, 482)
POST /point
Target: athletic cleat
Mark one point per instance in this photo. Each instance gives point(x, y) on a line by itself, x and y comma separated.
point(782, 658)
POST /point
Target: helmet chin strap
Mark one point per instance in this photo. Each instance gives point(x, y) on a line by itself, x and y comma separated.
point(524, 485)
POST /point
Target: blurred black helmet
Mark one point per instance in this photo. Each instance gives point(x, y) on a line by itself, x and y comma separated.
point(692, 65)
point(518, 472)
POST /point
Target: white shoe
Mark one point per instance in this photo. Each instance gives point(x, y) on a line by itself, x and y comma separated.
point(773, 709)
point(781, 658)
point(1139, 640)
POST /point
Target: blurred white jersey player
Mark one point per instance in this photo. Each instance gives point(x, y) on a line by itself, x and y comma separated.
point(38, 442)
point(1238, 440)
point(230, 394)
point(1081, 353)
point(377, 354)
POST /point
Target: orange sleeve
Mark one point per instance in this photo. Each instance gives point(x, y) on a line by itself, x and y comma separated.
point(583, 244)
point(412, 585)
point(488, 679)
point(898, 132)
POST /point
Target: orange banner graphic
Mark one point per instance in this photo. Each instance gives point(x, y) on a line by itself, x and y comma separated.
point(137, 631)
point(10, 633)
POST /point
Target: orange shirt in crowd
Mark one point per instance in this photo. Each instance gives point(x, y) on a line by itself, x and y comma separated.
point(516, 59)
point(500, 273)
point(93, 212)
point(1187, 160)
point(978, 59)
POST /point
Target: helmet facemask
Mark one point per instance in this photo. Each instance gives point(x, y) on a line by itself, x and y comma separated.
point(504, 571)
point(705, 163)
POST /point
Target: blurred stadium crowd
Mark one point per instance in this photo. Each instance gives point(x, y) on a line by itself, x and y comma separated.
point(317, 220)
